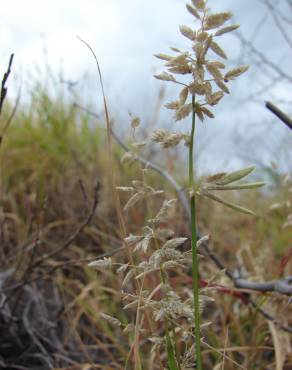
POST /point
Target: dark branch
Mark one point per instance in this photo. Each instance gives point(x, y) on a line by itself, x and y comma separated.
point(278, 113)
point(283, 286)
point(3, 92)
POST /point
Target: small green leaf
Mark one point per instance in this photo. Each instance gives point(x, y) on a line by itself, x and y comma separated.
point(228, 204)
point(252, 185)
point(170, 353)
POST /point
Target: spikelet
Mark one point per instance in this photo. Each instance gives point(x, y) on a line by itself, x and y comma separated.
point(187, 32)
point(165, 77)
point(183, 95)
point(199, 73)
point(207, 112)
point(214, 71)
point(202, 36)
point(216, 64)
point(133, 200)
point(163, 56)
point(162, 255)
point(172, 140)
point(197, 88)
point(167, 139)
point(199, 49)
point(222, 86)
point(122, 268)
point(164, 234)
point(163, 213)
point(214, 99)
point(216, 20)
point(176, 50)
point(199, 112)
point(135, 122)
point(233, 73)
point(203, 240)
point(179, 64)
point(193, 11)
point(159, 135)
point(218, 50)
point(224, 30)
point(178, 60)
point(208, 87)
point(173, 105)
point(130, 274)
point(144, 244)
point(132, 239)
point(101, 263)
point(183, 112)
point(199, 4)
point(182, 69)
point(173, 243)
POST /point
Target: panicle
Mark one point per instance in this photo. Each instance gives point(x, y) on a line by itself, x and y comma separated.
point(198, 67)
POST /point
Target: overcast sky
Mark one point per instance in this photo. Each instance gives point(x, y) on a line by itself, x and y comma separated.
point(125, 35)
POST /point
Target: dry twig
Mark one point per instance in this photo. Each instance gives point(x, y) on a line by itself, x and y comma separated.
point(280, 114)
point(3, 92)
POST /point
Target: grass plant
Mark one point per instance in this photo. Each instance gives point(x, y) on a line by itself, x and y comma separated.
point(173, 309)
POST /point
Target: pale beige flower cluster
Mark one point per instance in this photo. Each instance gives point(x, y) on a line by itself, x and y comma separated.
point(160, 254)
point(164, 304)
point(208, 78)
point(168, 139)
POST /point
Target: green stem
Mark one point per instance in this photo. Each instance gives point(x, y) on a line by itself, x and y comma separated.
point(172, 357)
point(195, 267)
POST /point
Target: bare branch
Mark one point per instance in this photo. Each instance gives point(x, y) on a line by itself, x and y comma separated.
point(281, 115)
point(283, 286)
point(3, 92)
point(275, 16)
point(263, 58)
